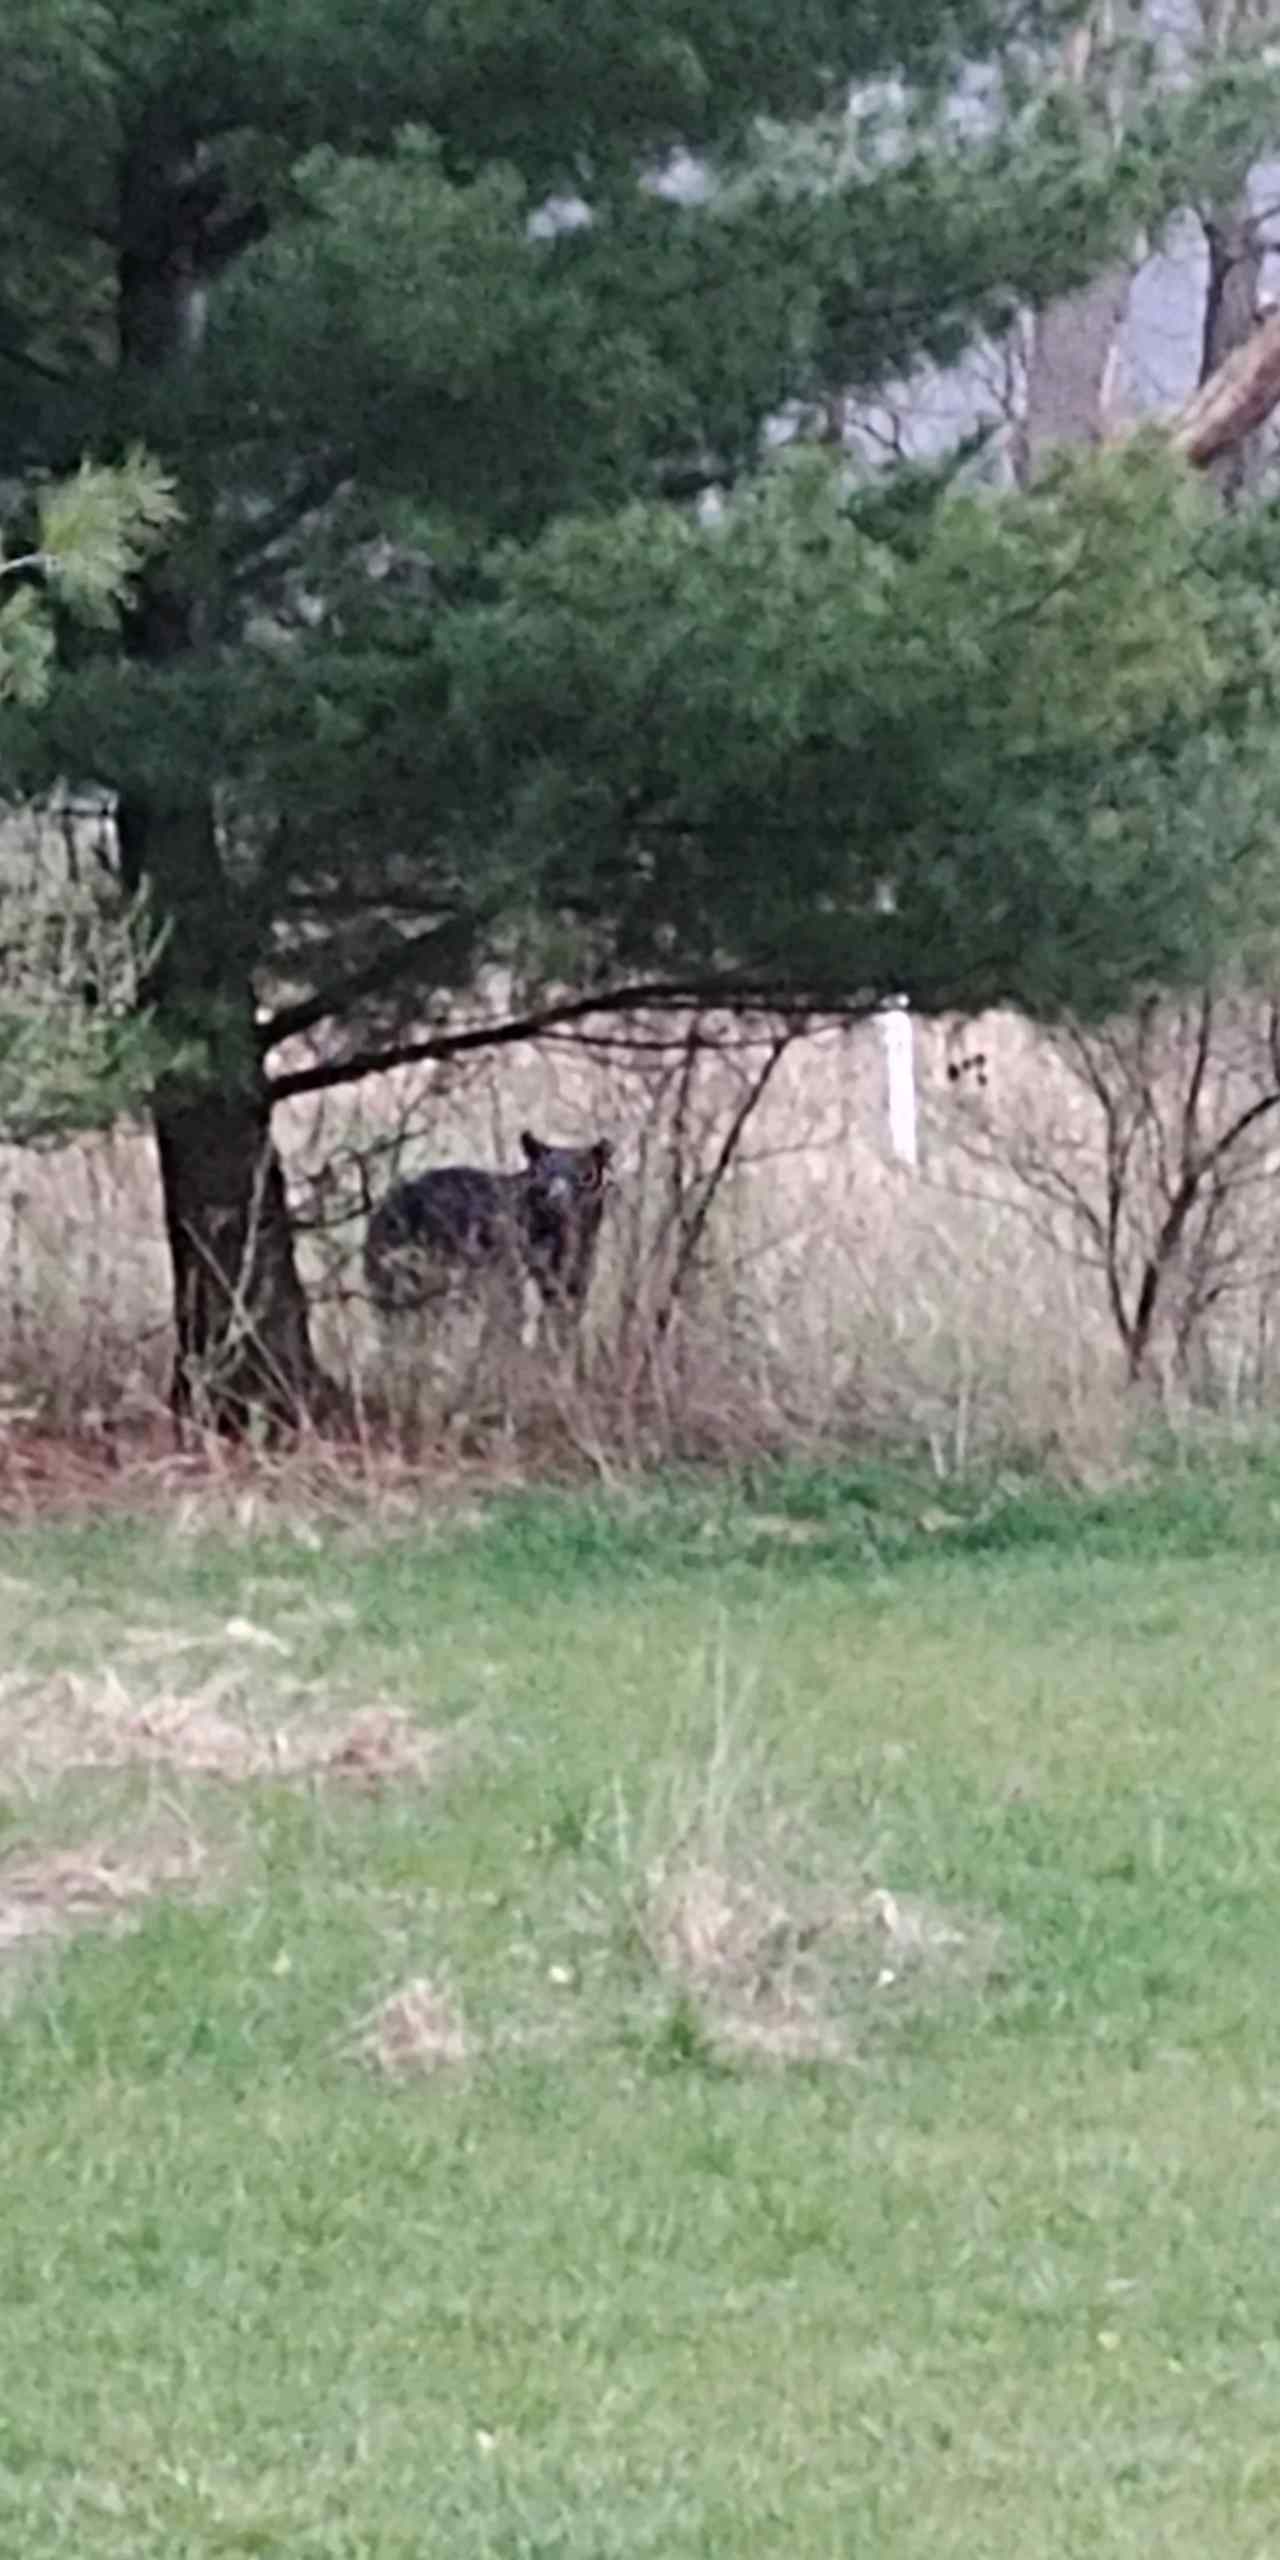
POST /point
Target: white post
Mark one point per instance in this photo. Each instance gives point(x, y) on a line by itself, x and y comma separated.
point(898, 1032)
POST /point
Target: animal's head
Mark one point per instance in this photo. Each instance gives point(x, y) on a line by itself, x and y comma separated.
point(566, 1180)
point(564, 1202)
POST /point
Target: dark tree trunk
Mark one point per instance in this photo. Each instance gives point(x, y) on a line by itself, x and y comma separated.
point(243, 1345)
point(1235, 248)
point(243, 1348)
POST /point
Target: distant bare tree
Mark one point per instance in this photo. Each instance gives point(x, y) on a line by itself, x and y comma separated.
point(1151, 1170)
point(1152, 1159)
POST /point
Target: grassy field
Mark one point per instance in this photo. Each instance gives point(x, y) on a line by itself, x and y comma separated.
point(721, 2024)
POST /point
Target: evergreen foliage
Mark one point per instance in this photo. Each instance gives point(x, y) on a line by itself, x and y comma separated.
point(440, 321)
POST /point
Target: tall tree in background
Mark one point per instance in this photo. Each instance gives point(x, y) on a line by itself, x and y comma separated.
point(1074, 337)
point(1233, 230)
point(442, 320)
point(1180, 1095)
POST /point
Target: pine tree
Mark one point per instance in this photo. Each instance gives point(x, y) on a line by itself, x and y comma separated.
point(443, 320)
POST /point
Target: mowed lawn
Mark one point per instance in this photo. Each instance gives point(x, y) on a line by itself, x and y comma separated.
point(829, 2098)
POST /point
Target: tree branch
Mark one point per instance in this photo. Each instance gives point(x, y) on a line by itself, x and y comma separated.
point(23, 361)
point(319, 486)
point(656, 996)
point(452, 943)
point(695, 1227)
point(1237, 398)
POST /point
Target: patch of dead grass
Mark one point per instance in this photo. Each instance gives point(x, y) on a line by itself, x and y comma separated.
point(232, 1728)
point(713, 1929)
point(769, 1967)
point(418, 2028)
point(49, 1893)
point(78, 1721)
point(733, 1900)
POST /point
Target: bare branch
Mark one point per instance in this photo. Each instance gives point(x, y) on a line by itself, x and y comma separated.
point(1195, 1082)
point(658, 996)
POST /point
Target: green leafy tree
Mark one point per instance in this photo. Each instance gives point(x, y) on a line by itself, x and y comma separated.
point(445, 667)
point(90, 535)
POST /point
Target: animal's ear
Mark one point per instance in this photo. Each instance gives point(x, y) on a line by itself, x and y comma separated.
point(533, 1147)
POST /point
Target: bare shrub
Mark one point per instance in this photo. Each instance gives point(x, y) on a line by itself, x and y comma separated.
point(799, 1290)
point(769, 1279)
point(676, 1101)
point(81, 1239)
point(75, 1046)
point(84, 1337)
point(1150, 1159)
point(831, 1295)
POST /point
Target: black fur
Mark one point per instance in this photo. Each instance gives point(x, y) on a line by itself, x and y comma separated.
point(433, 1230)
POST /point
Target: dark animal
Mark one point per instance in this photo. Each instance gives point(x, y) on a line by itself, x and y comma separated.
point(434, 1233)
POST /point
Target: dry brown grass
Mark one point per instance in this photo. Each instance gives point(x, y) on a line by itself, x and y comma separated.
point(770, 1935)
point(47, 1893)
point(761, 1961)
point(367, 1484)
point(115, 1782)
point(835, 1296)
point(418, 2028)
point(228, 1725)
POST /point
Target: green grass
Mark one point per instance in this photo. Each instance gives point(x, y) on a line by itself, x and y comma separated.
point(999, 2275)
